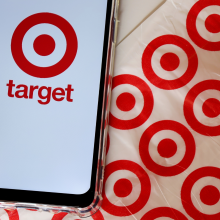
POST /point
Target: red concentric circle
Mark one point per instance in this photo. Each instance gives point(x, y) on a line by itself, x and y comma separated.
point(164, 212)
point(144, 194)
point(188, 108)
point(187, 188)
point(192, 29)
point(51, 71)
point(183, 132)
point(163, 83)
point(148, 102)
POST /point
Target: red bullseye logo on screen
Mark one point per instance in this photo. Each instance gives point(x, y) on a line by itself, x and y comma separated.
point(208, 193)
point(167, 148)
point(43, 46)
point(185, 63)
point(206, 33)
point(131, 175)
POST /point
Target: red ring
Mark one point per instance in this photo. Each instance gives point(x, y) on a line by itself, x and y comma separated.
point(191, 25)
point(163, 83)
point(188, 108)
point(183, 164)
point(187, 188)
point(12, 214)
point(59, 216)
point(148, 102)
point(98, 216)
point(144, 194)
point(51, 71)
point(163, 212)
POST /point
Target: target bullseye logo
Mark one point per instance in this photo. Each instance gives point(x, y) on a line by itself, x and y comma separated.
point(167, 148)
point(210, 108)
point(44, 45)
point(204, 28)
point(169, 63)
point(126, 101)
point(132, 184)
point(42, 55)
point(208, 190)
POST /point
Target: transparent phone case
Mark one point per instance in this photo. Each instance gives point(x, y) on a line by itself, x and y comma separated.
point(96, 204)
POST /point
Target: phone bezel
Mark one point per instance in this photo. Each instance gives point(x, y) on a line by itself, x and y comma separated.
point(73, 200)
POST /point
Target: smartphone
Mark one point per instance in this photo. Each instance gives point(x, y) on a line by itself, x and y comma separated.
point(56, 65)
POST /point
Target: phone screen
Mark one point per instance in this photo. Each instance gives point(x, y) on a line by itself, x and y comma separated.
point(51, 56)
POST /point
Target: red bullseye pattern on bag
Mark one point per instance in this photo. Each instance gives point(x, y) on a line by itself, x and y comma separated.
point(126, 102)
point(174, 136)
point(210, 108)
point(209, 195)
point(123, 188)
point(169, 62)
point(168, 145)
point(164, 134)
point(212, 24)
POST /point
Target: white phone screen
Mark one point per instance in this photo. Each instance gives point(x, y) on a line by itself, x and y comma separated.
point(49, 87)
